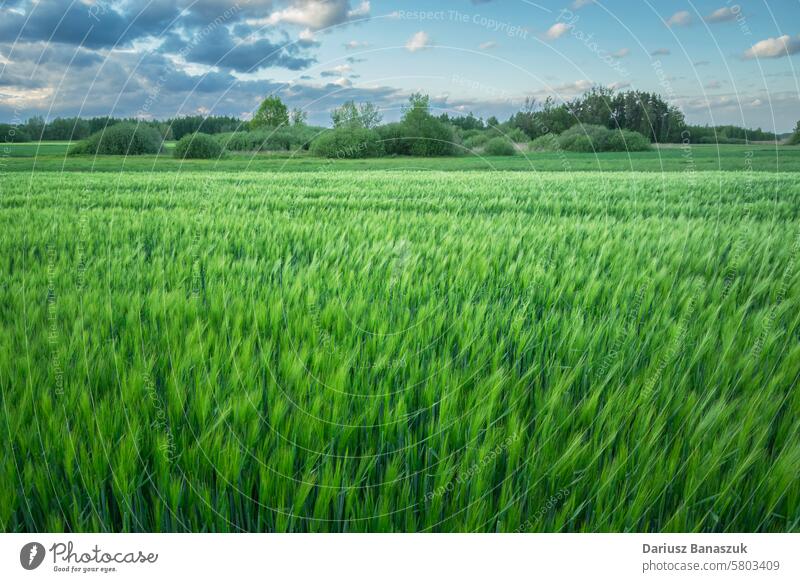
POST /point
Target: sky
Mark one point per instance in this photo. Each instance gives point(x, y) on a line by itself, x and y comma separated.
point(719, 61)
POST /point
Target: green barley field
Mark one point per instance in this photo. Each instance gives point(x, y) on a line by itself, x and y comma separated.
point(399, 349)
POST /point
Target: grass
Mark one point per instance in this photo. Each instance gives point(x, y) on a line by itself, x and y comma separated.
point(697, 158)
point(399, 351)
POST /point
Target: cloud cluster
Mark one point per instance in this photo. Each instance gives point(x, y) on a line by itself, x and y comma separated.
point(773, 48)
point(681, 18)
point(99, 57)
point(724, 14)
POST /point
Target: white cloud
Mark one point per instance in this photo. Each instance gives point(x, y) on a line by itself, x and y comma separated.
point(342, 69)
point(620, 85)
point(361, 11)
point(660, 52)
point(713, 85)
point(724, 14)
point(355, 44)
point(558, 30)
point(574, 88)
point(621, 53)
point(773, 48)
point(314, 14)
point(578, 4)
point(306, 35)
point(485, 46)
point(682, 18)
point(419, 41)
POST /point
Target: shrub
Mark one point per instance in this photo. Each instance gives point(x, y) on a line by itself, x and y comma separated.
point(596, 138)
point(626, 141)
point(200, 146)
point(287, 138)
point(425, 135)
point(575, 143)
point(121, 139)
point(499, 146)
point(477, 140)
point(545, 143)
point(429, 137)
point(393, 139)
point(347, 143)
point(516, 135)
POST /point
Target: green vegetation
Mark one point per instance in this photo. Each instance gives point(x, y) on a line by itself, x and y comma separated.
point(122, 139)
point(200, 146)
point(795, 138)
point(701, 158)
point(399, 351)
point(591, 139)
point(499, 146)
point(348, 143)
point(271, 113)
point(278, 139)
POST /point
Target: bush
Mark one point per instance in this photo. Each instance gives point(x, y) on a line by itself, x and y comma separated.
point(499, 146)
point(287, 138)
point(545, 143)
point(429, 137)
point(348, 143)
point(198, 146)
point(393, 139)
point(576, 143)
point(476, 141)
point(516, 135)
point(626, 141)
point(121, 139)
point(596, 138)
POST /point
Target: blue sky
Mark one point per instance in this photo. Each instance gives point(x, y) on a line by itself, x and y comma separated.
point(719, 61)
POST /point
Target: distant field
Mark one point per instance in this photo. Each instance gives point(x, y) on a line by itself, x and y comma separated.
point(762, 158)
point(400, 351)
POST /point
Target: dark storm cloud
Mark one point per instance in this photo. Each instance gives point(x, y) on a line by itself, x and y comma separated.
point(95, 26)
point(219, 48)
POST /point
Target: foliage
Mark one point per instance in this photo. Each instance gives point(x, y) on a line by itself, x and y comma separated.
point(13, 134)
point(476, 140)
point(795, 138)
point(499, 146)
point(592, 138)
point(421, 133)
point(287, 138)
point(348, 142)
point(466, 122)
point(725, 134)
point(545, 143)
point(639, 111)
point(181, 126)
point(122, 139)
point(363, 115)
point(271, 113)
point(399, 351)
point(199, 146)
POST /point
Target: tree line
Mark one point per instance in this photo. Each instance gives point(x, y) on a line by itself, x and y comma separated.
point(643, 112)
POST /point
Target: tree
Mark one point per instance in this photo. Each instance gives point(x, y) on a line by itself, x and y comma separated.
point(364, 115)
point(299, 116)
point(271, 113)
point(795, 139)
point(422, 133)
